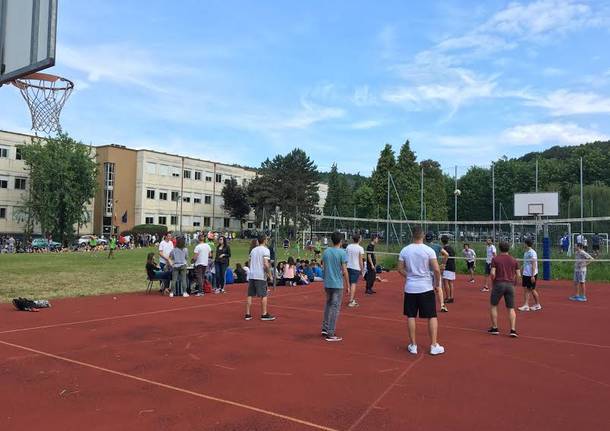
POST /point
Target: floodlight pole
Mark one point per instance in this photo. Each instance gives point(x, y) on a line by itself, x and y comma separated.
point(536, 175)
point(455, 206)
point(582, 207)
point(387, 238)
point(421, 196)
point(493, 199)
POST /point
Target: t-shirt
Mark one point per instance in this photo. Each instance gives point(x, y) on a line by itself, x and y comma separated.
point(202, 250)
point(179, 256)
point(416, 258)
point(529, 267)
point(579, 239)
point(470, 255)
point(165, 248)
point(112, 243)
point(289, 271)
point(371, 254)
point(258, 255)
point(580, 264)
point(595, 240)
point(334, 259)
point(491, 250)
point(354, 256)
point(450, 265)
point(505, 265)
point(436, 248)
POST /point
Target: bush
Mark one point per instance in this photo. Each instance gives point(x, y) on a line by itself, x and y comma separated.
point(149, 229)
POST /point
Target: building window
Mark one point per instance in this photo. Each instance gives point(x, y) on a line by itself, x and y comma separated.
point(18, 153)
point(149, 220)
point(3, 153)
point(197, 200)
point(175, 172)
point(151, 168)
point(219, 178)
point(207, 199)
point(187, 174)
point(208, 178)
point(228, 181)
point(108, 175)
point(2, 212)
point(162, 220)
point(206, 222)
point(227, 222)
point(108, 199)
point(175, 196)
point(164, 170)
point(250, 225)
point(150, 194)
point(198, 175)
point(162, 196)
point(19, 183)
point(186, 199)
point(196, 223)
point(173, 220)
point(3, 183)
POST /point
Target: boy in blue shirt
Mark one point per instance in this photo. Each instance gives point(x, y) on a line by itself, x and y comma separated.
point(334, 261)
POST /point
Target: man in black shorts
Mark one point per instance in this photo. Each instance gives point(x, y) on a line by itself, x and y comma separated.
point(418, 264)
point(257, 278)
point(504, 273)
point(371, 265)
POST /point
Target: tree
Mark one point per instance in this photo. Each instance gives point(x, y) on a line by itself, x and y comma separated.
point(364, 201)
point(339, 198)
point(62, 182)
point(235, 201)
point(407, 179)
point(435, 193)
point(379, 178)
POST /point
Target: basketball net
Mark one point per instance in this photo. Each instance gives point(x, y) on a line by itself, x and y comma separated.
point(45, 95)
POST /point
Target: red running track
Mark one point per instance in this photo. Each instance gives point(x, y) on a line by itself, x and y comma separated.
point(145, 362)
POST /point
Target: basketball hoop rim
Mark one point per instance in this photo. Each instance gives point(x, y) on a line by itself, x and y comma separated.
point(27, 81)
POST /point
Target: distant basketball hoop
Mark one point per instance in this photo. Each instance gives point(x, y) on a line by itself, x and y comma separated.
point(45, 95)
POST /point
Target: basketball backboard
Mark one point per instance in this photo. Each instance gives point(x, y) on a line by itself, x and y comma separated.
point(536, 204)
point(27, 37)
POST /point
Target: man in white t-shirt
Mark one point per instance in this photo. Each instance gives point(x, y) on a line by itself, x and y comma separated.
point(355, 266)
point(257, 278)
point(490, 251)
point(418, 264)
point(202, 255)
point(165, 248)
point(529, 277)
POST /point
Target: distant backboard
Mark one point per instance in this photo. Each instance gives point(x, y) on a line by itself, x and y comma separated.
point(536, 204)
point(27, 37)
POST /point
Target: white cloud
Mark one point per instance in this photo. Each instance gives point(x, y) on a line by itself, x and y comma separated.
point(309, 115)
point(565, 102)
point(363, 125)
point(556, 133)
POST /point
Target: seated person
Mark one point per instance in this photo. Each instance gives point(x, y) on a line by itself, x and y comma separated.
point(318, 273)
point(308, 271)
point(154, 272)
point(290, 276)
point(240, 274)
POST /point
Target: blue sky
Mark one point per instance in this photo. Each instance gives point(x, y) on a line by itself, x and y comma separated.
point(239, 81)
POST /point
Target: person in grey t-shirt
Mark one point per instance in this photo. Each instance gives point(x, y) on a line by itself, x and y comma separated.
point(178, 259)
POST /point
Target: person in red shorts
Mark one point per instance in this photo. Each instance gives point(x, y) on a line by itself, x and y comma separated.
point(504, 274)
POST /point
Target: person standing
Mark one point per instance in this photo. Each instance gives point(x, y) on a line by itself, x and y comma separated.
point(490, 251)
point(355, 267)
point(371, 265)
point(448, 269)
point(504, 273)
point(334, 262)
point(530, 276)
point(417, 263)
point(165, 248)
point(223, 256)
point(595, 241)
point(582, 259)
point(471, 257)
point(436, 283)
point(112, 246)
point(178, 259)
point(202, 254)
point(257, 278)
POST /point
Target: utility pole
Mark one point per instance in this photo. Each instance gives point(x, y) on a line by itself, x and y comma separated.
point(455, 206)
point(536, 175)
point(421, 197)
point(387, 239)
point(493, 199)
point(582, 205)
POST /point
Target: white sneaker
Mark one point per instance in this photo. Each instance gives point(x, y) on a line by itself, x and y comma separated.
point(437, 349)
point(171, 295)
point(185, 294)
point(524, 308)
point(412, 348)
point(352, 304)
point(536, 307)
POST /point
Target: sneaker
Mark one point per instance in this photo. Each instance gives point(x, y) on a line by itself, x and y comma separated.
point(267, 317)
point(536, 307)
point(248, 317)
point(444, 309)
point(353, 304)
point(216, 291)
point(513, 333)
point(574, 298)
point(582, 299)
point(171, 294)
point(332, 338)
point(524, 308)
point(223, 291)
point(485, 289)
point(199, 294)
point(493, 331)
point(185, 295)
point(324, 332)
point(412, 348)
point(471, 281)
point(368, 292)
point(449, 301)
point(437, 349)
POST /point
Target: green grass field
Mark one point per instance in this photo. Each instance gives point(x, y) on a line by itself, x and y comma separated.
point(55, 275)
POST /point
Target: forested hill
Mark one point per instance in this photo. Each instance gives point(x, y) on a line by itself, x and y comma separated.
point(567, 152)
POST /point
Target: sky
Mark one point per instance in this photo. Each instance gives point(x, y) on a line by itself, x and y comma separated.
point(466, 82)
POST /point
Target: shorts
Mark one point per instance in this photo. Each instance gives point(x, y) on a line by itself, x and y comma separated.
point(504, 290)
point(529, 282)
point(470, 265)
point(354, 275)
point(580, 276)
point(423, 304)
point(448, 275)
point(257, 288)
point(487, 268)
